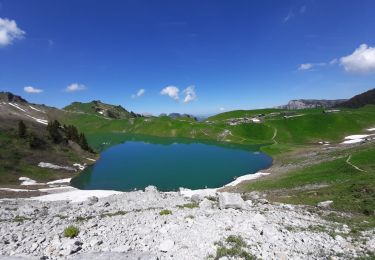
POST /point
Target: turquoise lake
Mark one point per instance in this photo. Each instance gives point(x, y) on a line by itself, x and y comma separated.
point(169, 165)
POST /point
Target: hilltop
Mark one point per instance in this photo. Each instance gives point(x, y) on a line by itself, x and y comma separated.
point(97, 107)
point(360, 100)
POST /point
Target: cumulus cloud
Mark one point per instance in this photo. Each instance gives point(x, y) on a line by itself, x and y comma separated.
point(30, 89)
point(190, 94)
point(75, 87)
point(362, 60)
point(139, 93)
point(9, 32)
point(222, 109)
point(171, 91)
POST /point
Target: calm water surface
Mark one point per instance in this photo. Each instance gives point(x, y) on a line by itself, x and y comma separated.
point(137, 164)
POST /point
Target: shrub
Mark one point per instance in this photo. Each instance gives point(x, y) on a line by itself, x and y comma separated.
point(165, 212)
point(71, 231)
point(21, 129)
point(189, 205)
point(36, 142)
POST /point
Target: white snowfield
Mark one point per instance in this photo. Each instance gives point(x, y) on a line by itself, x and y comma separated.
point(371, 129)
point(352, 139)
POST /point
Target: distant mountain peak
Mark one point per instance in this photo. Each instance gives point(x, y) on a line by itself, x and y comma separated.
point(311, 103)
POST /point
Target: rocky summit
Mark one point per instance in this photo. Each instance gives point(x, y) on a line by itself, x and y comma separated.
point(155, 225)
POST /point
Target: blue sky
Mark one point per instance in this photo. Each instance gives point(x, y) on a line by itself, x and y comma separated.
point(199, 57)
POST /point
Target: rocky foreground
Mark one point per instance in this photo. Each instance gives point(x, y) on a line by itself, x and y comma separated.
point(156, 225)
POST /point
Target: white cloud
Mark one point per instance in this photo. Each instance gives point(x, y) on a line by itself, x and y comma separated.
point(305, 66)
point(75, 87)
point(30, 89)
point(362, 60)
point(139, 93)
point(289, 16)
point(222, 109)
point(9, 32)
point(190, 94)
point(170, 91)
point(333, 62)
point(310, 66)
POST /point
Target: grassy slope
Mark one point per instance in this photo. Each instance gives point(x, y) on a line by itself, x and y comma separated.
point(350, 190)
point(17, 159)
point(312, 127)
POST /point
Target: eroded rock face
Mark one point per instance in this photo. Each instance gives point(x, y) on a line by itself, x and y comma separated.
point(129, 226)
point(230, 200)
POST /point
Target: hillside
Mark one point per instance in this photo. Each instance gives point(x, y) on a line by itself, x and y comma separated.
point(360, 100)
point(97, 107)
point(39, 139)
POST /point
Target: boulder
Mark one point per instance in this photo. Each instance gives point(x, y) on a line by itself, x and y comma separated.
point(92, 200)
point(151, 188)
point(230, 200)
point(166, 245)
point(325, 204)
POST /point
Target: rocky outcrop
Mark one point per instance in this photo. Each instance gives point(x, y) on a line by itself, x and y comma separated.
point(311, 103)
point(230, 200)
point(129, 226)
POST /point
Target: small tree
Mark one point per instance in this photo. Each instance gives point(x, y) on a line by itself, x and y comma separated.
point(53, 130)
point(36, 142)
point(83, 142)
point(21, 129)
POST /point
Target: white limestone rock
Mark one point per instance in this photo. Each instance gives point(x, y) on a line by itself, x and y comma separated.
point(230, 200)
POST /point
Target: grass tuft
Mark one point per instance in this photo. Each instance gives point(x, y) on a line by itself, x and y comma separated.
point(71, 231)
point(165, 212)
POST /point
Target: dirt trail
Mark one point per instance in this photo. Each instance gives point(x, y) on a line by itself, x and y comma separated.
point(355, 167)
point(274, 136)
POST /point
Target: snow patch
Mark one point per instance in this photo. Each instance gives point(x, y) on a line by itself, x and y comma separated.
point(42, 121)
point(91, 159)
point(37, 109)
point(55, 167)
point(352, 137)
point(28, 181)
point(15, 190)
point(371, 129)
point(16, 106)
point(67, 180)
point(80, 166)
point(246, 178)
